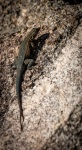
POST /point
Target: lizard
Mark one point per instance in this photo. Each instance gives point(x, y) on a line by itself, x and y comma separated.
point(24, 59)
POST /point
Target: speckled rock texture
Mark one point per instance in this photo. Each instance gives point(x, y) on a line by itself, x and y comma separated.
point(52, 88)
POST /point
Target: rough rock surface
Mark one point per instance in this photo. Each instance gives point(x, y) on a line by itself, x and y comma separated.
point(52, 89)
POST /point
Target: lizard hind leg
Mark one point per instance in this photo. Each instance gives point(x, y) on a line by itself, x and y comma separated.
point(29, 62)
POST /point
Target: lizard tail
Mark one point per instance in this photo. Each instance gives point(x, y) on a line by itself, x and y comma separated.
point(21, 114)
point(19, 97)
point(21, 119)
